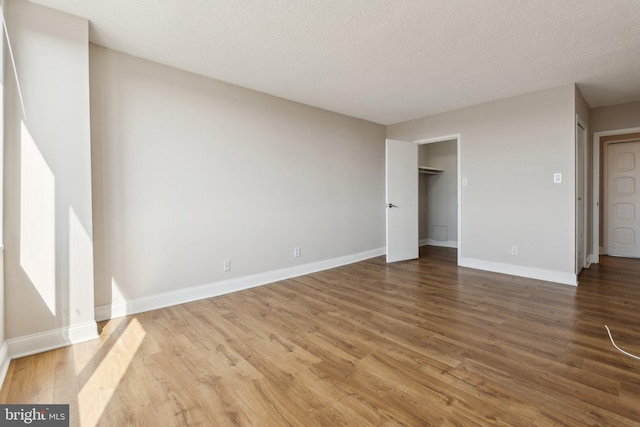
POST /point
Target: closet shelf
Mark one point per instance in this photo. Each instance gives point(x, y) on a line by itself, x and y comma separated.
point(428, 170)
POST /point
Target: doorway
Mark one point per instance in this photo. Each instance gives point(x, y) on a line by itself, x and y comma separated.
point(438, 194)
point(600, 194)
point(398, 219)
point(622, 198)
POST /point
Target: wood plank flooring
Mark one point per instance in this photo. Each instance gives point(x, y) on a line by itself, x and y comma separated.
point(417, 343)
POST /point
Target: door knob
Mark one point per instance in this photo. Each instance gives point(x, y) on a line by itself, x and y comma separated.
point(391, 205)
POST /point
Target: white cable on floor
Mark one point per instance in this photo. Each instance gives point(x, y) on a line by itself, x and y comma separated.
point(618, 348)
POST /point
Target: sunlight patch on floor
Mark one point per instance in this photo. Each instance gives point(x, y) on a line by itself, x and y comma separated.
point(99, 389)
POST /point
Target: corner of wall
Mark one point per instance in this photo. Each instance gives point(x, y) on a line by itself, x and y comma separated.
point(46, 117)
point(582, 107)
point(51, 340)
point(4, 361)
point(4, 353)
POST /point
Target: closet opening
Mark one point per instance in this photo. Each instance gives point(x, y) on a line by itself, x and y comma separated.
point(438, 193)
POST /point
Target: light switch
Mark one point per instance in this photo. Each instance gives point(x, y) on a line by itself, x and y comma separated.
point(465, 182)
point(557, 178)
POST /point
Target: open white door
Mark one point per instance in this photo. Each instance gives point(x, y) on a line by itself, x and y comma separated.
point(402, 200)
point(581, 198)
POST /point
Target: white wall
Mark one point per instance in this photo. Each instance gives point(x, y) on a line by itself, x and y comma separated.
point(4, 349)
point(48, 213)
point(189, 172)
point(438, 197)
point(4, 356)
point(510, 150)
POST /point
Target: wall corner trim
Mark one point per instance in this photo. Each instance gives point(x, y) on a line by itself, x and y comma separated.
point(520, 271)
point(4, 361)
point(194, 293)
point(51, 340)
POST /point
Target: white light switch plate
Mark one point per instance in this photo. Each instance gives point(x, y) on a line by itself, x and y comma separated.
point(557, 178)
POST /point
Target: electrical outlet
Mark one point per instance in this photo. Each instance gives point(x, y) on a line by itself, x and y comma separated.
point(227, 265)
point(514, 250)
point(296, 252)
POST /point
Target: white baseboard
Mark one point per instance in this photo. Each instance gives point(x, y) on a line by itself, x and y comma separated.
point(181, 296)
point(592, 259)
point(4, 361)
point(444, 244)
point(518, 270)
point(50, 340)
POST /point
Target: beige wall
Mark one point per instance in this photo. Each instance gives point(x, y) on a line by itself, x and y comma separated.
point(510, 150)
point(189, 172)
point(582, 108)
point(48, 214)
point(620, 116)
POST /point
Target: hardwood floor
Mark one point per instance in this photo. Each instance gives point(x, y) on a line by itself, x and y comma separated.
point(417, 343)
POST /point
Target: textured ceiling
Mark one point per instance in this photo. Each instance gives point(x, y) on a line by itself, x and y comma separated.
point(385, 61)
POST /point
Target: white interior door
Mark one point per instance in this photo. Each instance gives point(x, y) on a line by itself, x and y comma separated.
point(581, 165)
point(623, 217)
point(402, 200)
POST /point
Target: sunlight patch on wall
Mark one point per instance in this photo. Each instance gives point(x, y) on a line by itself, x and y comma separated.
point(116, 293)
point(37, 220)
point(80, 270)
point(96, 394)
